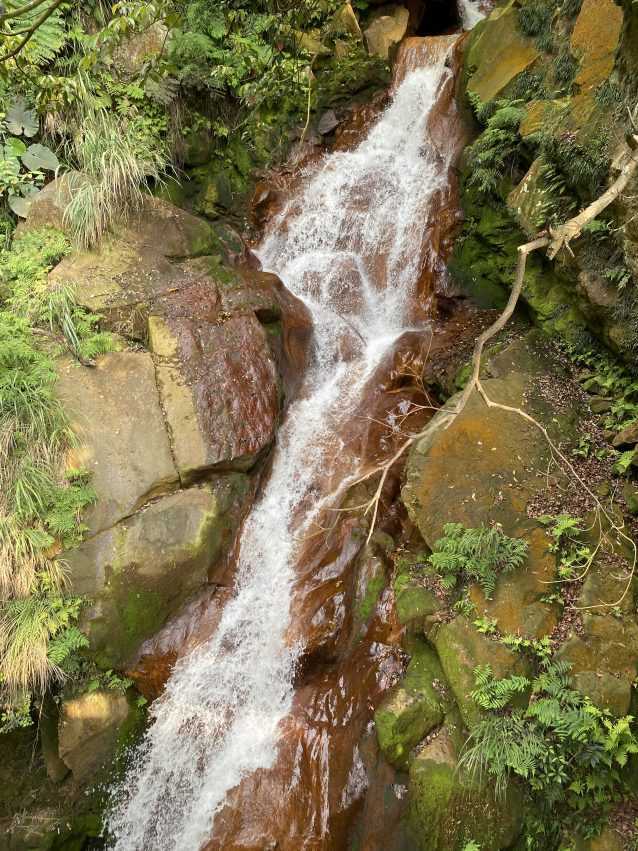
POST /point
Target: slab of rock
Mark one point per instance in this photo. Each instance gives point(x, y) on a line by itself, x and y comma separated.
point(116, 414)
point(387, 30)
point(218, 383)
point(498, 52)
point(88, 730)
point(626, 438)
point(141, 571)
point(136, 264)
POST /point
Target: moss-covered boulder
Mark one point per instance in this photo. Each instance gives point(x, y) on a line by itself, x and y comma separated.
point(498, 51)
point(413, 708)
point(461, 648)
point(448, 808)
point(415, 599)
point(604, 659)
point(595, 40)
point(141, 570)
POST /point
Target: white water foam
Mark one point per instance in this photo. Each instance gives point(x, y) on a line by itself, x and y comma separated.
point(470, 12)
point(350, 246)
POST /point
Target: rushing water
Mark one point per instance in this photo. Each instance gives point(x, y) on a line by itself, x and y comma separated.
point(470, 12)
point(350, 245)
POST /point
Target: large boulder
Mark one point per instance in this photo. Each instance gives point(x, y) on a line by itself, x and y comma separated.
point(461, 648)
point(217, 380)
point(448, 808)
point(498, 52)
point(413, 708)
point(485, 467)
point(136, 264)
point(386, 30)
point(142, 569)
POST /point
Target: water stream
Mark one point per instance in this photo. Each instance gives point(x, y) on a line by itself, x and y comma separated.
point(350, 244)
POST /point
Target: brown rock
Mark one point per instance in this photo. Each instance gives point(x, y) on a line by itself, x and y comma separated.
point(626, 438)
point(116, 413)
point(88, 730)
point(219, 389)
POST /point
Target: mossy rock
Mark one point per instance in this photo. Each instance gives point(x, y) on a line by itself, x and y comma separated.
point(461, 648)
point(413, 708)
point(448, 808)
point(139, 572)
point(497, 53)
point(604, 659)
point(414, 601)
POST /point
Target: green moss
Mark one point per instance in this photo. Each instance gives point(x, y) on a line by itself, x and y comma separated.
point(413, 600)
point(372, 594)
point(414, 708)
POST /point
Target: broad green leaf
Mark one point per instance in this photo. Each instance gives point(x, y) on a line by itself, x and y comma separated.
point(20, 120)
point(40, 158)
point(21, 205)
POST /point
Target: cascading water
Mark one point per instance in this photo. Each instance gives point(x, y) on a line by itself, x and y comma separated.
point(471, 12)
point(351, 246)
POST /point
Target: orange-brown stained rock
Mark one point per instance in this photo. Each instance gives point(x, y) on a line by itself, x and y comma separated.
point(317, 787)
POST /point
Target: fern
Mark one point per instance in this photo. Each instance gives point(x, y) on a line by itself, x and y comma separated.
point(496, 147)
point(48, 39)
point(496, 694)
point(567, 750)
point(478, 555)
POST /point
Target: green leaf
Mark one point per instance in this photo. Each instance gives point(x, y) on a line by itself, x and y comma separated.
point(13, 148)
point(19, 205)
point(20, 120)
point(625, 461)
point(40, 158)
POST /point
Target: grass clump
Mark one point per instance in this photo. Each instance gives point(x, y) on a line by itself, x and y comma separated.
point(116, 165)
point(40, 501)
point(478, 555)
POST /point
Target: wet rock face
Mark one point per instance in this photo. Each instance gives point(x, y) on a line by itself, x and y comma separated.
point(169, 432)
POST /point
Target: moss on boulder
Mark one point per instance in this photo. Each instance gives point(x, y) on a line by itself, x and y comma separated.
point(141, 570)
point(498, 52)
point(413, 708)
point(447, 808)
point(461, 648)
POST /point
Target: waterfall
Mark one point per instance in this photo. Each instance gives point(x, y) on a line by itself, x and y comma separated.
point(350, 245)
point(470, 12)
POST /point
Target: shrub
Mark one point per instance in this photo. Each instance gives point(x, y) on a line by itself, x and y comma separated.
point(478, 555)
point(40, 502)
